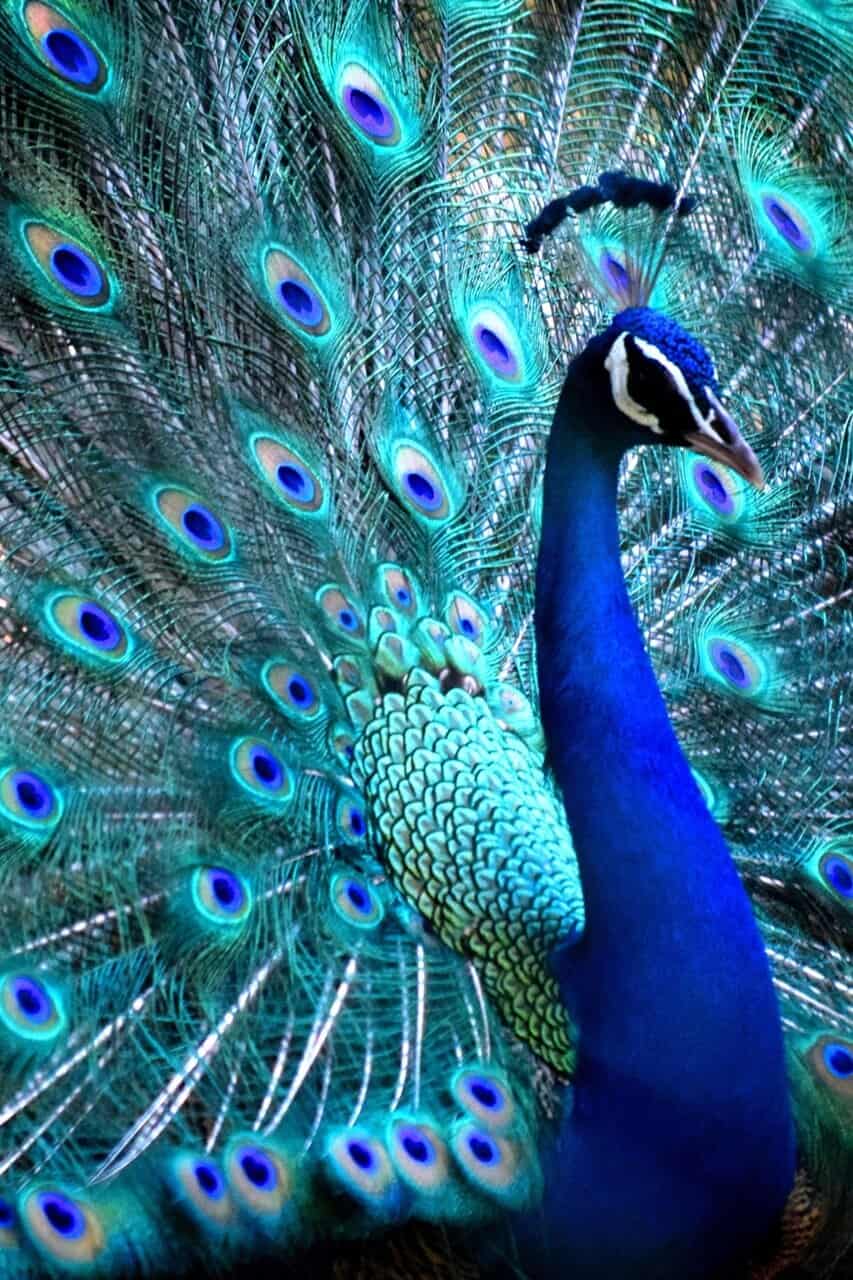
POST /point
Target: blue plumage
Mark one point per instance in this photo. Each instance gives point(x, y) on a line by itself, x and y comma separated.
point(373, 898)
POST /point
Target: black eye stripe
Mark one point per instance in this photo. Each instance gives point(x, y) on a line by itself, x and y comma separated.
point(651, 384)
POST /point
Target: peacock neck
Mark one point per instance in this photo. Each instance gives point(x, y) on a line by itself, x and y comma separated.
point(672, 1119)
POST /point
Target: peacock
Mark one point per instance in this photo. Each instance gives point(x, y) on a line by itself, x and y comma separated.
point(426, 833)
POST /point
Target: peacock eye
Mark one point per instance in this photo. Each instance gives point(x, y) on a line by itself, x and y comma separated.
point(494, 1164)
point(355, 901)
point(28, 800)
point(368, 107)
point(292, 690)
point(787, 221)
point(260, 1177)
point(299, 299)
point(63, 1228)
point(419, 1154)
point(358, 1162)
point(87, 627)
point(351, 820)
point(202, 1189)
point(220, 896)
point(495, 344)
point(30, 1008)
point(197, 528)
point(419, 484)
point(342, 615)
point(64, 49)
point(69, 267)
point(293, 481)
point(260, 771)
point(485, 1096)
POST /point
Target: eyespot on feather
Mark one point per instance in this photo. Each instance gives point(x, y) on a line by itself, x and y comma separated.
point(300, 302)
point(340, 613)
point(497, 1166)
point(221, 897)
point(293, 692)
point(399, 590)
point(63, 1228)
point(351, 819)
point(31, 1008)
point(465, 618)
point(733, 665)
point(836, 872)
point(29, 800)
point(68, 266)
point(260, 1177)
point(418, 1153)
point(261, 771)
point(356, 901)
point(88, 628)
point(367, 106)
point(419, 485)
point(495, 344)
point(785, 220)
point(195, 526)
point(830, 1059)
point(486, 1096)
point(293, 481)
point(357, 1162)
point(203, 1189)
point(714, 490)
point(64, 48)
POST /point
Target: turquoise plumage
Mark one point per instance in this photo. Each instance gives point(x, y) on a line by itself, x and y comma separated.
point(284, 863)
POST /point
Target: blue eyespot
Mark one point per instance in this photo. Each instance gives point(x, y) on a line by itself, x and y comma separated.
point(616, 276)
point(8, 1218)
point(34, 795)
point(367, 106)
point(729, 665)
point(76, 271)
point(64, 1216)
point(266, 768)
point(483, 1148)
point(32, 1000)
point(71, 56)
point(258, 1169)
point(786, 221)
point(295, 481)
point(293, 691)
point(734, 665)
point(209, 1179)
point(296, 293)
point(422, 491)
point(495, 351)
point(416, 1145)
point(300, 691)
point(300, 302)
point(838, 874)
point(361, 1155)
point(355, 901)
point(220, 896)
point(403, 597)
point(203, 528)
point(711, 488)
point(839, 1060)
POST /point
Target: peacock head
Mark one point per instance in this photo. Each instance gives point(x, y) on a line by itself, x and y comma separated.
point(664, 389)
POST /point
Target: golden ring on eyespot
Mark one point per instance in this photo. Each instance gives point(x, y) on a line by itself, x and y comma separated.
point(87, 626)
point(61, 45)
point(67, 1229)
point(465, 619)
point(292, 690)
point(418, 1152)
point(490, 1161)
point(296, 294)
point(198, 527)
point(29, 800)
point(418, 483)
point(221, 896)
point(205, 1187)
point(292, 480)
point(486, 1096)
point(340, 612)
point(259, 1177)
point(367, 106)
point(400, 591)
point(261, 771)
point(68, 266)
point(831, 1060)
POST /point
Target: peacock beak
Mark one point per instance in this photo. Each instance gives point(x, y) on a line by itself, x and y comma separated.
point(721, 440)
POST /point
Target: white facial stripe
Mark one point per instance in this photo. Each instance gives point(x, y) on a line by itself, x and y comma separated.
point(617, 366)
point(654, 353)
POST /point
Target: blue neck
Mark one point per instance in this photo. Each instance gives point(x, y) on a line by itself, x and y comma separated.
point(678, 1152)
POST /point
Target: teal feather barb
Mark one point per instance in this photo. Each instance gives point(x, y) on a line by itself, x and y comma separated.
point(282, 860)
